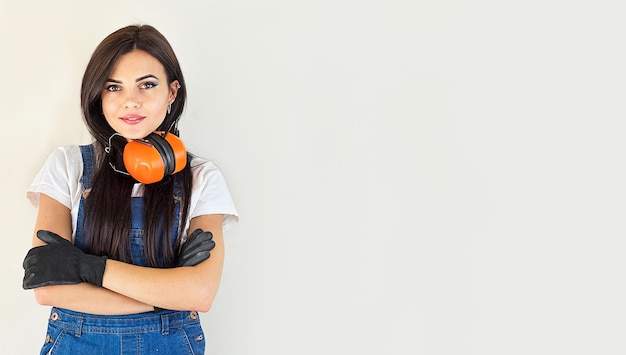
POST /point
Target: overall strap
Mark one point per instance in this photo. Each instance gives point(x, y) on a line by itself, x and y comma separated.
point(87, 154)
point(178, 196)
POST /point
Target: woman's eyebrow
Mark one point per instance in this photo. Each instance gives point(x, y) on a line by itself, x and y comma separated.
point(146, 77)
point(136, 80)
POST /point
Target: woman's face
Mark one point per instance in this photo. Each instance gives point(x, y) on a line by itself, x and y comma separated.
point(136, 95)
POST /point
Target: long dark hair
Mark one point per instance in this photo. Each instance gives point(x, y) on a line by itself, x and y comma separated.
point(107, 207)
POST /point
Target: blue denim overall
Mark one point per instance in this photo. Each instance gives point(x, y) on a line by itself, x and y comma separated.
point(166, 332)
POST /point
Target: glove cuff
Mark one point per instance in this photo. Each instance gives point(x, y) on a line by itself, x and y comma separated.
point(92, 269)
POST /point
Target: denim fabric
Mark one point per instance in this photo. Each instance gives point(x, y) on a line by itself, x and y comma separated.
point(169, 332)
point(166, 332)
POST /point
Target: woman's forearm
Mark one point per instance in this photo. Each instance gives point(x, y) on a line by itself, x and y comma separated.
point(129, 289)
point(88, 298)
point(132, 289)
point(183, 288)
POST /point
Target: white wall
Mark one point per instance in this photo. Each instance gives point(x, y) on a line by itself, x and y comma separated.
point(413, 177)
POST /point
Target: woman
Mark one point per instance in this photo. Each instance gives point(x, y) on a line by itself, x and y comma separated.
point(127, 260)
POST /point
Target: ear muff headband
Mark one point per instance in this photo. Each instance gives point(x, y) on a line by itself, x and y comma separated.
point(151, 159)
point(179, 150)
point(165, 151)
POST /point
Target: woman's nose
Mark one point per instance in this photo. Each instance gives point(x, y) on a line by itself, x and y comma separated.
point(131, 99)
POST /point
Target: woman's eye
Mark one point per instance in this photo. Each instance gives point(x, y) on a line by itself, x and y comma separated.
point(148, 85)
point(112, 88)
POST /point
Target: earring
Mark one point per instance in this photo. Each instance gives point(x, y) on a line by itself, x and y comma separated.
point(169, 108)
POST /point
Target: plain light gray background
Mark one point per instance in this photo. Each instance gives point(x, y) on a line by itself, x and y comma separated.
point(413, 177)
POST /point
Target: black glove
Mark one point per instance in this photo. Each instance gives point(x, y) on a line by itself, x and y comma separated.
point(196, 249)
point(60, 263)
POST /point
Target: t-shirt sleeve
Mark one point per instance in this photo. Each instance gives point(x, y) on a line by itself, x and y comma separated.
point(53, 179)
point(213, 195)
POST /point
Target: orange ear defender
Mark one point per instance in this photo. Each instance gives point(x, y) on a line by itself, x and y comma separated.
point(158, 155)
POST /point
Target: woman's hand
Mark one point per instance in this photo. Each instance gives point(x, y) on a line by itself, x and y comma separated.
point(196, 249)
point(60, 263)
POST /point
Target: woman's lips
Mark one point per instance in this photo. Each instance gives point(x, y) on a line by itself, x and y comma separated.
point(132, 119)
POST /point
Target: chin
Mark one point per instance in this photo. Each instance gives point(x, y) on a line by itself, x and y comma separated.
point(135, 135)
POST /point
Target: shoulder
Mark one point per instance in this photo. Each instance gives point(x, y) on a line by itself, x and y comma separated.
point(210, 193)
point(198, 162)
point(59, 176)
point(203, 169)
point(67, 158)
point(67, 152)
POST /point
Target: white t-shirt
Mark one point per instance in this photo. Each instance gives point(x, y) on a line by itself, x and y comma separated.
point(60, 178)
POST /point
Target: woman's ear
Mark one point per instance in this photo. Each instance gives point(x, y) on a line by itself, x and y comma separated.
point(174, 86)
